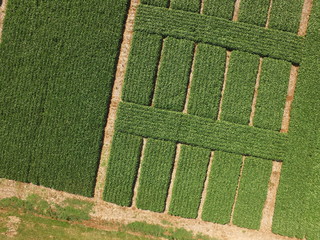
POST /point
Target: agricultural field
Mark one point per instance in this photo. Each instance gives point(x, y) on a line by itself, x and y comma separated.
point(59, 59)
point(215, 116)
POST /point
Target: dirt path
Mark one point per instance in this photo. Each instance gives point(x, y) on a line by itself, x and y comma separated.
point(115, 99)
point(3, 8)
point(12, 226)
point(103, 211)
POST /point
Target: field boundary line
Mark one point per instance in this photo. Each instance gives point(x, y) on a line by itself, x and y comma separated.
point(255, 95)
point(173, 176)
point(237, 190)
point(137, 183)
point(110, 212)
point(205, 186)
point(185, 109)
point(228, 55)
point(274, 181)
point(115, 99)
point(236, 10)
point(3, 9)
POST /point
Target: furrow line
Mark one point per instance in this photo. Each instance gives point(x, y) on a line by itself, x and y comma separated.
point(136, 187)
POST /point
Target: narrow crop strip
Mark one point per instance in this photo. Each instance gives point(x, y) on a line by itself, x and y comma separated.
point(215, 135)
point(221, 32)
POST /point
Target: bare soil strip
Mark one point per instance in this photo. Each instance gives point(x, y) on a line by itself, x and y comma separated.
point(205, 187)
point(115, 99)
point(3, 8)
point(237, 190)
point(135, 190)
point(255, 95)
point(157, 74)
point(103, 211)
point(201, 6)
point(185, 109)
point(269, 13)
point(289, 100)
point(173, 176)
point(306, 11)
point(12, 226)
point(228, 54)
point(236, 10)
point(268, 211)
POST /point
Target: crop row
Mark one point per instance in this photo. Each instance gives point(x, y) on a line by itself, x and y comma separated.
point(216, 31)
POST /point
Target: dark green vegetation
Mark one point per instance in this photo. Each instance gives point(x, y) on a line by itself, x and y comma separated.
point(223, 181)
point(57, 67)
point(155, 174)
point(297, 207)
point(216, 31)
point(39, 219)
point(189, 181)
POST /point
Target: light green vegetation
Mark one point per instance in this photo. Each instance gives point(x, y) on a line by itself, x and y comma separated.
point(39, 219)
point(254, 12)
point(193, 130)
point(219, 8)
point(174, 72)
point(122, 168)
point(69, 209)
point(155, 174)
point(186, 5)
point(272, 94)
point(142, 68)
point(297, 207)
point(238, 95)
point(207, 81)
point(285, 15)
point(165, 232)
point(158, 3)
point(221, 32)
point(223, 181)
point(57, 62)
point(252, 193)
point(189, 181)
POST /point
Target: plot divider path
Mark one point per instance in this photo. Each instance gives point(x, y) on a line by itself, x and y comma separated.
point(3, 8)
point(115, 99)
point(269, 208)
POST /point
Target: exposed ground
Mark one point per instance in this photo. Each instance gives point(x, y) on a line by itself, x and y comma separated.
point(103, 211)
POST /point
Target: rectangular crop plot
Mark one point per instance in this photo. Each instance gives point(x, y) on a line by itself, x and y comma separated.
point(155, 176)
point(189, 181)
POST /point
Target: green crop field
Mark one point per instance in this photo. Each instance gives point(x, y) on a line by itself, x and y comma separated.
point(200, 121)
point(57, 62)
